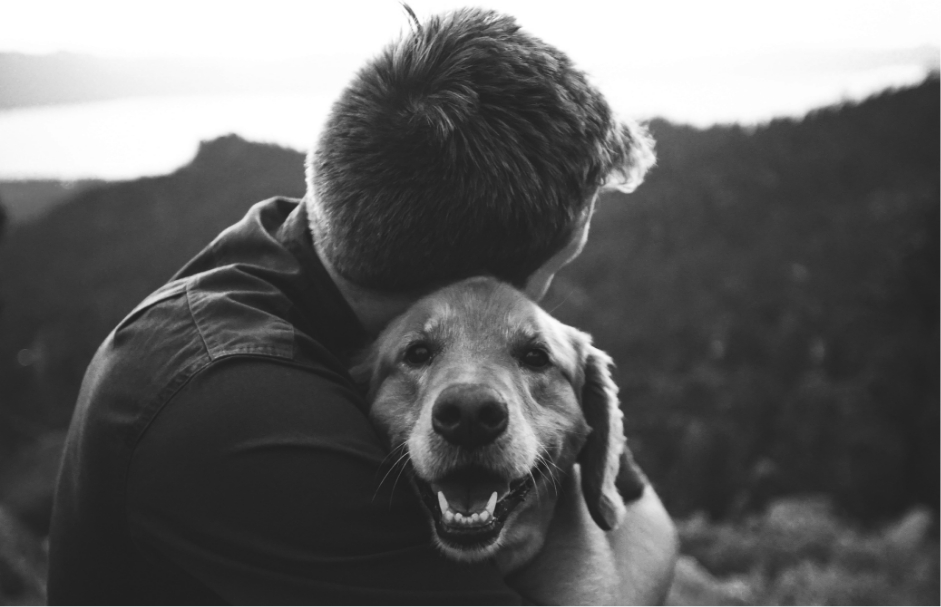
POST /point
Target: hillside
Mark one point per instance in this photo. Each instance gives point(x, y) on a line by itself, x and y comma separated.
point(28, 199)
point(770, 296)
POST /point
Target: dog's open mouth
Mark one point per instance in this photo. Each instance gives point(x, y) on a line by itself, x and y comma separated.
point(471, 505)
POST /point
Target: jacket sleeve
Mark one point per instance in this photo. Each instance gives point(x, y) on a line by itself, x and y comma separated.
point(265, 483)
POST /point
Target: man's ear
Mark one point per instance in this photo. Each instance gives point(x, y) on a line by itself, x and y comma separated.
point(609, 475)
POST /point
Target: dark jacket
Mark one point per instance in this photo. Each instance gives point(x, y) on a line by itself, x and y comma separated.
point(219, 451)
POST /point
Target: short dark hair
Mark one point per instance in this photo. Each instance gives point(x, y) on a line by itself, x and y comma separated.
point(466, 147)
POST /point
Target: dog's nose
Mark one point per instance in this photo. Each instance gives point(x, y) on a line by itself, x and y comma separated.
point(469, 415)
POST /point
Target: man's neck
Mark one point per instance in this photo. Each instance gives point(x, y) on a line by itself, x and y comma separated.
point(374, 309)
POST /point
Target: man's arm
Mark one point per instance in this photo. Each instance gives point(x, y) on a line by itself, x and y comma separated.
point(265, 484)
point(582, 565)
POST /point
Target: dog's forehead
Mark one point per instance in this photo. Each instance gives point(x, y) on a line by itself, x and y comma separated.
point(480, 309)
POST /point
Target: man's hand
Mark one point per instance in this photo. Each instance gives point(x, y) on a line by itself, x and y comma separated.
point(582, 565)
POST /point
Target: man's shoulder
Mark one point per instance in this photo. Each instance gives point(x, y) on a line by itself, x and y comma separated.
point(182, 332)
point(196, 320)
point(180, 329)
point(259, 289)
point(235, 312)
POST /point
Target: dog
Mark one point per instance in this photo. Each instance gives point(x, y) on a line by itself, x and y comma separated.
point(489, 402)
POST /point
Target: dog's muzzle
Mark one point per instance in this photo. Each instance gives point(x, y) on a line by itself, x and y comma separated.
point(471, 503)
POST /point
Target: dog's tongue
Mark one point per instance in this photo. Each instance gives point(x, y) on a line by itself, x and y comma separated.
point(468, 492)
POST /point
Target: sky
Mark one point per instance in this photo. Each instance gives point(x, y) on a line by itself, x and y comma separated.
point(671, 48)
point(698, 62)
point(593, 31)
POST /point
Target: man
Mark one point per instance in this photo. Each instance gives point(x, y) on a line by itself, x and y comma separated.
point(219, 451)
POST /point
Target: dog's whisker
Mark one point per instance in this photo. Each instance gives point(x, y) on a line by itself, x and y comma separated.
point(398, 476)
point(550, 472)
point(535, 484)
point(401, 458)
point(379, 486)
point(401, 448)
point(553, 482)
point(557, 470)
point(391, 454)
point(389, 471)
point(538, 491)
point(561, 303)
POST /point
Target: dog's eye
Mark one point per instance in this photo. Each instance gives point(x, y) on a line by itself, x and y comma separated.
point(535, 358)
point(417, 355)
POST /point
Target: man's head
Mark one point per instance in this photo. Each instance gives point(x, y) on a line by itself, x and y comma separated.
point(466, 147)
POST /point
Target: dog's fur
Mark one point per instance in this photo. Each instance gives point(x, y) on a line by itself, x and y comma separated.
point(480, 335)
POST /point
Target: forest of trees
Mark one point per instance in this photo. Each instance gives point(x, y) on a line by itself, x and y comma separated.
point(771, 299)
point(770, 296)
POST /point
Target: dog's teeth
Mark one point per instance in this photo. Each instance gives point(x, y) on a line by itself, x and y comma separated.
point(452, 517)
point(492, 503)
point(443, 502)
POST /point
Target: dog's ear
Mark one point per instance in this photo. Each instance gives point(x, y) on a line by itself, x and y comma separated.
point(609, 475)
point(364, 368)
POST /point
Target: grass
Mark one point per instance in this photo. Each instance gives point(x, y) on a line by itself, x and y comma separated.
point(799, 553)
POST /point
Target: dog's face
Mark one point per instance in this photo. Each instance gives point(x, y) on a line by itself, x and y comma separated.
point(493, 401)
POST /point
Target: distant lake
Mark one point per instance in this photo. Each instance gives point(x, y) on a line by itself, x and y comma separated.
point(127, 138)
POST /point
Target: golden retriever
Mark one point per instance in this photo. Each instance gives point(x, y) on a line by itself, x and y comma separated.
point(488, 401)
